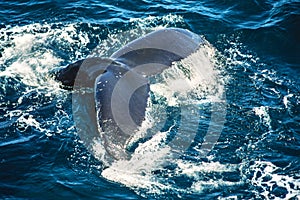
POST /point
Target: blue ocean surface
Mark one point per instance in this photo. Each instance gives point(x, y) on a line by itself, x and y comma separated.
point(254, 48)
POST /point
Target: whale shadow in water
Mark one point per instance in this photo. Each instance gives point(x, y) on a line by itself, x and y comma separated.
point(110, 94)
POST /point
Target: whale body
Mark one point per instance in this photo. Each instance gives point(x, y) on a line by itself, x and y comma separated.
point(118, 88)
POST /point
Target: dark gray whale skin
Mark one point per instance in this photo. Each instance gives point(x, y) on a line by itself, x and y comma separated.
point(155, 51)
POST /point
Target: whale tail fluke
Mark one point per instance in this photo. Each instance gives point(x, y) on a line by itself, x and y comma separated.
point(118, 88)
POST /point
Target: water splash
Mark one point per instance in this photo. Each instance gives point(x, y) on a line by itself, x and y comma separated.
point(195, 82)
point(272, 183)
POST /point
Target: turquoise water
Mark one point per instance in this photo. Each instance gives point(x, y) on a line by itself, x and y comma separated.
point(255, 47)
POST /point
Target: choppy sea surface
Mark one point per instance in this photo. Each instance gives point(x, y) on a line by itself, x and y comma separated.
point(254, 48)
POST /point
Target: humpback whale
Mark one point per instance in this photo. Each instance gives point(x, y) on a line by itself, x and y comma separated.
point(110, 94)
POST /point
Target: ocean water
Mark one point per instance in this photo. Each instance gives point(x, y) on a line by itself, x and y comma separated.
point(250, 61)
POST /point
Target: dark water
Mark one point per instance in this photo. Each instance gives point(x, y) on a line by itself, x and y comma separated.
point(258, 153)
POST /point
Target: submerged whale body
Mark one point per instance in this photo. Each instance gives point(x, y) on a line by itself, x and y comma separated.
point(118, 86)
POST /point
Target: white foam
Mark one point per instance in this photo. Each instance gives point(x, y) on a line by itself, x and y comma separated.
point(157, 22)
point(195, 75)
point(28, 53)
point(286, 100)
point(191, 169)
point(136, 173)
point(263, 114)
point(29, 121)
point(264, 169)
point(200, 186)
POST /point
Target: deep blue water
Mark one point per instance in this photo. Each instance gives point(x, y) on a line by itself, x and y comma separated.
point(257, 47)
